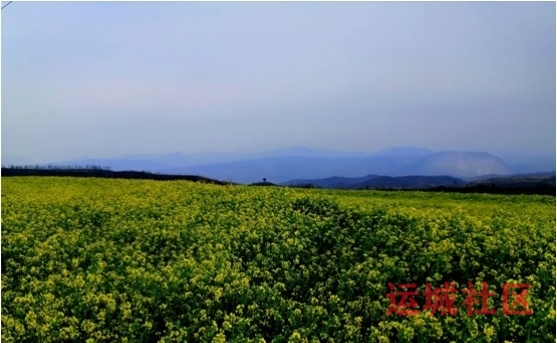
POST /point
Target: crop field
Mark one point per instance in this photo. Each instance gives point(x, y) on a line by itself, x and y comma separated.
point(97, 260)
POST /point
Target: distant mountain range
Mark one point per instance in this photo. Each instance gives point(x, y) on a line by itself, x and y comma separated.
point(280, 166)
point(393, 163)
point(457, 164)
point(546, 179)
point(375, 181)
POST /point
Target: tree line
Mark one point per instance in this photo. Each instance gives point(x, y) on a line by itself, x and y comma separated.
point(88, 167)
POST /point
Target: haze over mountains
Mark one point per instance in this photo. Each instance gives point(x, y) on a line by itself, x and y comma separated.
point(376, 181)
point(284, 165)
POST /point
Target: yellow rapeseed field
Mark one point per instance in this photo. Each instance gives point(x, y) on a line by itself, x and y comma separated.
point(98, 260)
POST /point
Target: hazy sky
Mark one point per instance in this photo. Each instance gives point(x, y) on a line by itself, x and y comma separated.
point(102, 79)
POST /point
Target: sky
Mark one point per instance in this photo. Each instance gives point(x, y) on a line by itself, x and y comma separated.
point(103, 79)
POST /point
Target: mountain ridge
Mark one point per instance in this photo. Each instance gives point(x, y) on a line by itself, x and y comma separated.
point(285, 164)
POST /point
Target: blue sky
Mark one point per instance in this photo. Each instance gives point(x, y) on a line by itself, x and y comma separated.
point(102, 79)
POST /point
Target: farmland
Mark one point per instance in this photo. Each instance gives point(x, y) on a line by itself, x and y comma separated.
point(97, 260)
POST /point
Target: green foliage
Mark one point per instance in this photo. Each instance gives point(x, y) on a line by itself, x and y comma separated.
point(95, 260)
